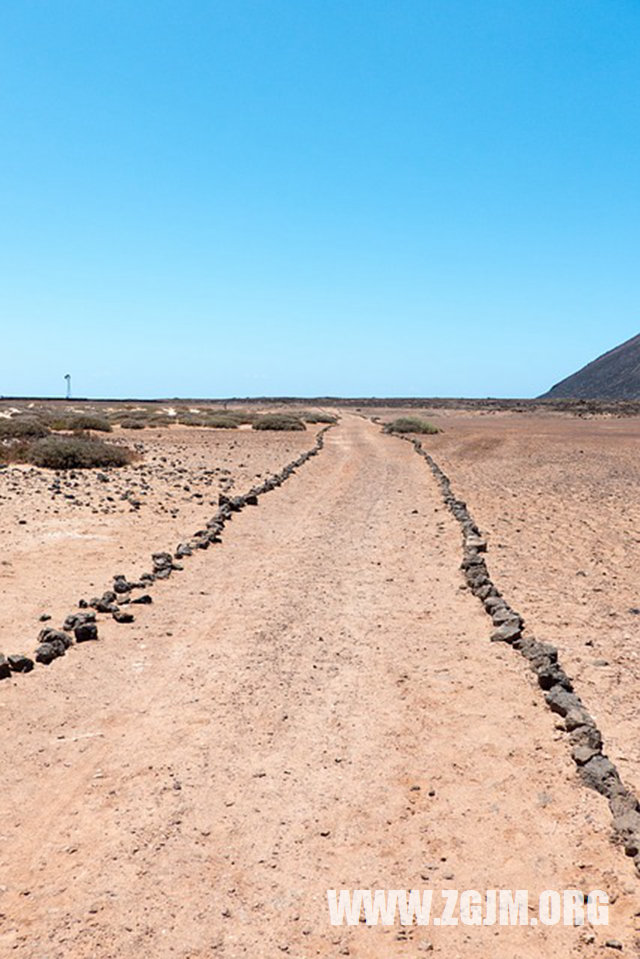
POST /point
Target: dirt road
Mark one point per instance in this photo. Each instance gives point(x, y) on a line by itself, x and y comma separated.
point(314, 704)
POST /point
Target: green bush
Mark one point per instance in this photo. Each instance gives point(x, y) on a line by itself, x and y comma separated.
point(319, 417)
point(219, 421)
point(88, 421)
point(133, 424)
point(76, 452)
point(410, 424)
point(279, 421)
point(216, 419)
point(21, 428)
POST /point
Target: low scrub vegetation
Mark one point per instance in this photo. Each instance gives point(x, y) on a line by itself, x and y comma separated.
point(410, 424)
point(73, 452)
point(317, 416)
point(131, 423)
point(279, 421)
point(87, 421)
point(21, 427)
point(217, 419)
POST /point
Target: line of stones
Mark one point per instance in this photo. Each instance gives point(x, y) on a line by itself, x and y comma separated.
point(595, 768)
point(54, 643)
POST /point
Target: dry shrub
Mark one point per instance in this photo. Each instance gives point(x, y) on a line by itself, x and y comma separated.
point(22, 428)
point(76, 452)
point(317, 416)
point(410, 424)
point(279, 421)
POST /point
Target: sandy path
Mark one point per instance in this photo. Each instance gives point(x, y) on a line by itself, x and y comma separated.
point(192, 785)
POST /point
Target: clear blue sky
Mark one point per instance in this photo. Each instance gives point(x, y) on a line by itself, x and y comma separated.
point(364, 197)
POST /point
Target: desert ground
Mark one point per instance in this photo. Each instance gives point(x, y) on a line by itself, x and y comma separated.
point(314, 702)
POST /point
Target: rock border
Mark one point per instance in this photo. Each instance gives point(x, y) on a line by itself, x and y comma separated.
point(53, 643)
point(585, 739)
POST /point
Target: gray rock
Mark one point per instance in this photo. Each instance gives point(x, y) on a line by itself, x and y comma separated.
point(551, 675)
point(5, 669)
point(507, 632)
point(561, 701)
point(600, 774)
point(502, 614)
point(493, 602)
point(586, 736)
point(583, 753)
point(143, 600)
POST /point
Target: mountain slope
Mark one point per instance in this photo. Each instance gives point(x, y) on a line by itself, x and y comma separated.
point(614, 375)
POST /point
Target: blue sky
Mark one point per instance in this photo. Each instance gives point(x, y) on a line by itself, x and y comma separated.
point(408, 197)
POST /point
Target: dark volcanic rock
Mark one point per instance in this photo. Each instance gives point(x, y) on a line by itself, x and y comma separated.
point(5, 669)
point(77, 619)
point(47, 652)
point(507, 632)
point(20, 663)
point(120, 585)
point(600, 774)
point(614, 375)
point(553, 675)
point(143, 600)
point(55, 636)
point(121, 616)
point(85, 632)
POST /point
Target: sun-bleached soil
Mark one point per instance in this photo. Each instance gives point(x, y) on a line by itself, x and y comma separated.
point(312, 704)
point(558, 498)
point(64, 536)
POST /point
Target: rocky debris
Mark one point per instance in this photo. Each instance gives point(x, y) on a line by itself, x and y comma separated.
point(121, 585)
point(46, 653)
point(143, 600)
point(600, 774)
point(19, 663)
point(74, 620)
point(122, 616)
point(183, 549)
point(5, 669)
point(85, 632)
point(56, 638)
point(507, 632)
point(103, 607)
point(594, 767)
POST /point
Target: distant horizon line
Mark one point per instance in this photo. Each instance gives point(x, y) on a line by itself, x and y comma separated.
point(543, 398)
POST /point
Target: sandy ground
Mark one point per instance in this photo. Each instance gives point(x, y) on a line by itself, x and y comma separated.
point(558, 497)
point(60, 544)
point(313, 704)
